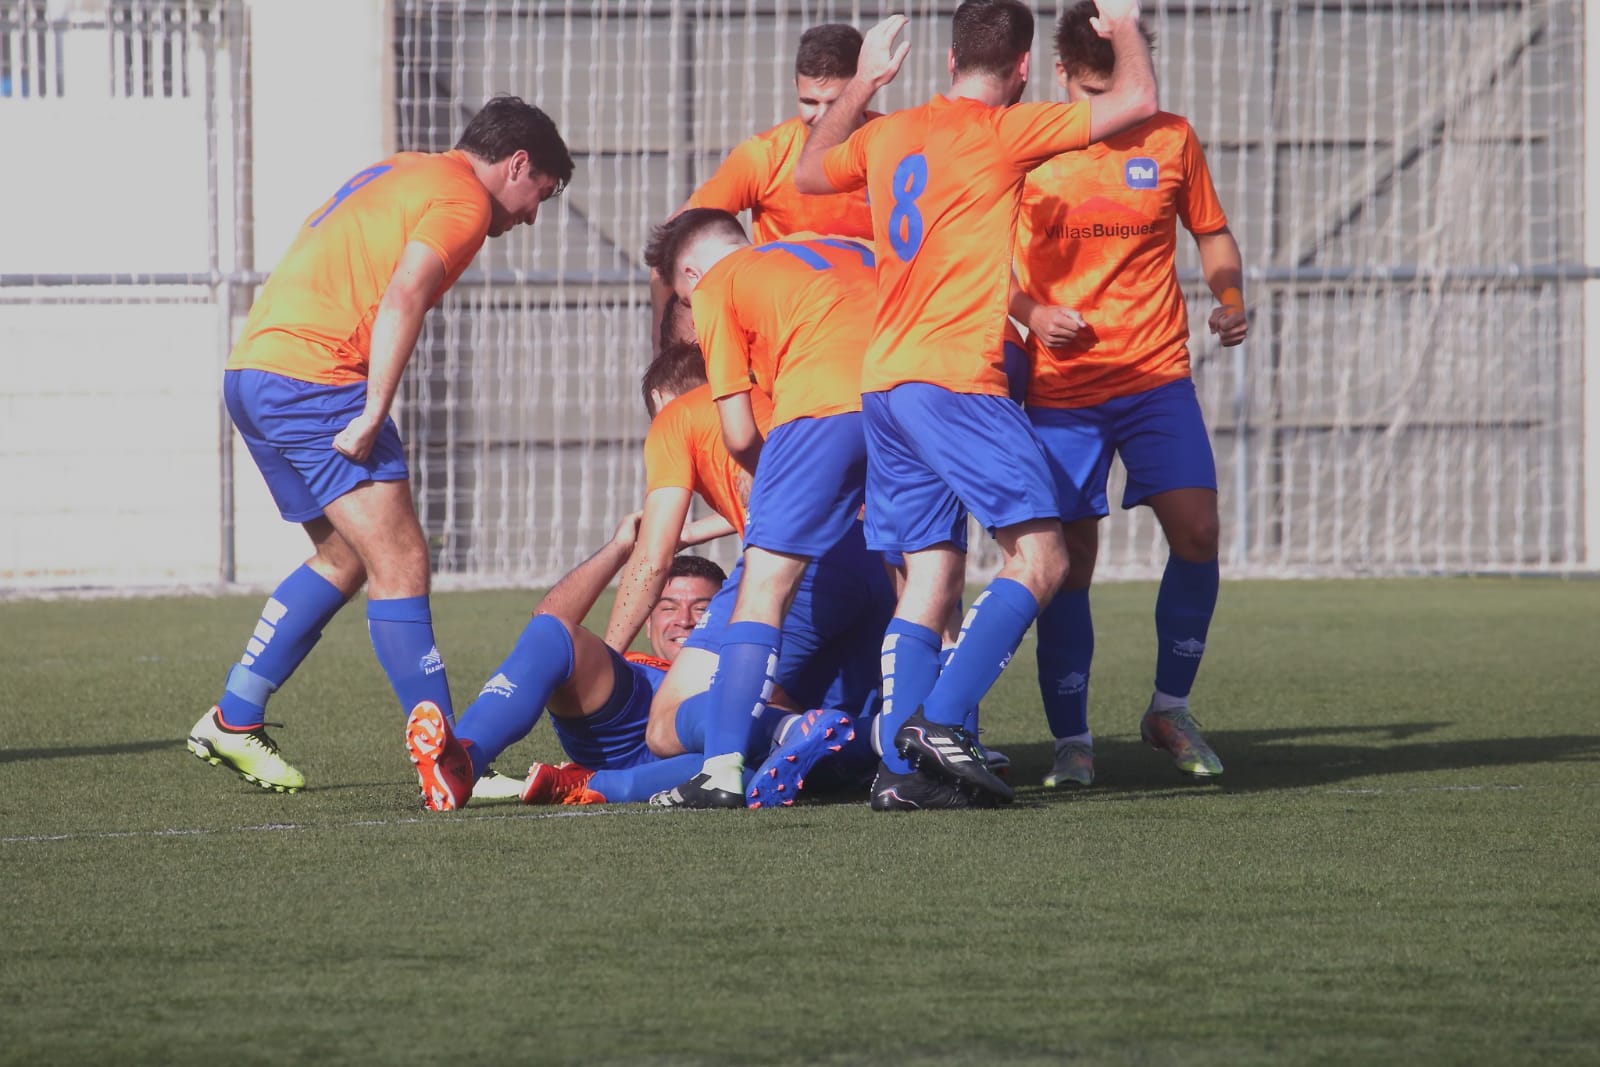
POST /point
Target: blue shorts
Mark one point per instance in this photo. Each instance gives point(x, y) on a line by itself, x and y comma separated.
point(935, 455)
point(1159, 434)
point(289, 427)
point(612, 739)
point(834, 629)
point(809, 485)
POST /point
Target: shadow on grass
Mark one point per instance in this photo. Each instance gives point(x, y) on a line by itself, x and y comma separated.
point(129, 748)
point(1259, 760)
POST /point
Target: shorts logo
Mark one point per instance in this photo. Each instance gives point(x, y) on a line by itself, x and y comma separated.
point(500, 686)
point(1140, 172)
point(432, 663)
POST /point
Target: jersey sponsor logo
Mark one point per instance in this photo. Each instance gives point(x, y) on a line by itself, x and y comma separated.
point(1100, 217)
point(1141, 172)
point(1091, 231)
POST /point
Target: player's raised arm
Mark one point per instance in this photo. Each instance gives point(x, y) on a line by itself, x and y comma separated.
point(1130, 97)
point(573, 597)
point(417, 280)
point(644, 574)
point(878, 64)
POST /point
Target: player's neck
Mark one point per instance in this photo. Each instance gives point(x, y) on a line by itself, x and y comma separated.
point(979, 87)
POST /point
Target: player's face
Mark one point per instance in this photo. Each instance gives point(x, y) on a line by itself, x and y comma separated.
point(682, 603)
point(518, 199)
point(816, 95)
point(1081, 87)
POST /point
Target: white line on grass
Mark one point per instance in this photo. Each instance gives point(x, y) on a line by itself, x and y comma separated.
point(641, 809)
point(281, 827)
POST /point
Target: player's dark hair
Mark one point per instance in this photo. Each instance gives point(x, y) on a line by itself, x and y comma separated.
point(687, 566)
point(1081, 50)
point(828, 51)
point(670, 313)
point(680, 367)
point(506, 124)
point(672, 238)
point(989, 36)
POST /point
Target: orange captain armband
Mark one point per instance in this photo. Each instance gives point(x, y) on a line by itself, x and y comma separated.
point(644, 659)
point(1232, 298)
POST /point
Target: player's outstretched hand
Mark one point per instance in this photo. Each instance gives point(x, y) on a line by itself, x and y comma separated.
point(1054, 325)
point(356, 440)
point(628, 530)
point(1230, 323)
point(1113, 12)
point(880, 56)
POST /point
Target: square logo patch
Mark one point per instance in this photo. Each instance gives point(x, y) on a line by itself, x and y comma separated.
point(1140, 173)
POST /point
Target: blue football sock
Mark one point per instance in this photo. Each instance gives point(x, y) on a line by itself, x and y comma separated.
point(635, 784)
point(690, 722)
point(742, 686)
point(402, 636)
point(990, 634)
point(511, 701)
point(291, 623)
point(1066, 649)
point(1184, 606)
point(910, 669)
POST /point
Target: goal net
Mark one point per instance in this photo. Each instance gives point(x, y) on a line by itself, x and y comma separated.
point(1405, 177)
point(1402, 178)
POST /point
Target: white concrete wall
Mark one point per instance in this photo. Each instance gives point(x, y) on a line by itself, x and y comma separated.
point(109, 418)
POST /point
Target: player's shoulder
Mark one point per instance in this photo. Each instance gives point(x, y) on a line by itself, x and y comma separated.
point(787, 135)
point(442, 175)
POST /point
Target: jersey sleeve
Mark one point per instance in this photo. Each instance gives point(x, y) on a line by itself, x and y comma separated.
point(1198, 205)
point(1032, 133)
point(737, 184)
point(722, 337)
point(845, 165)
point(455, 228)
point(668, 457)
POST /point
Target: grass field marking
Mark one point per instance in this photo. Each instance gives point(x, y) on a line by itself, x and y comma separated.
point(281, 827)
point(641, 809)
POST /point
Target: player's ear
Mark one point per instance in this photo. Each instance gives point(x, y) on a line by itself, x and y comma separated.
point(1022, 67)
point(518, 165)
point(1061, 74)
point(951, 62)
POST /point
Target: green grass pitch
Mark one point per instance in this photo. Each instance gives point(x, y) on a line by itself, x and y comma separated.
point(1401, 866)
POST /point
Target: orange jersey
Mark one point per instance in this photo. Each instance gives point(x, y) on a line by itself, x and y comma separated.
point(758, 176)
point(795, 315)
point(945, 182)
point(313, 319)
point(1098, 234)
point(684, 450)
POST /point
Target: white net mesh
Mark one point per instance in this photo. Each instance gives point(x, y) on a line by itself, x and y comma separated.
point(1406, 181)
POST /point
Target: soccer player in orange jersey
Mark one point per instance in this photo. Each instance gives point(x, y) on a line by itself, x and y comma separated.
point(790, 317)
point(310, 384)
point(758, 175)
point(943, 435)
point(1109, 342)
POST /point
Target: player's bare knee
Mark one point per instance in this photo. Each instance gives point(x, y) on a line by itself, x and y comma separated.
point(1196, 542)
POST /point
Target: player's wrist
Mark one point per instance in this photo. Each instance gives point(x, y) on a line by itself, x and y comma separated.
point(1231, 298)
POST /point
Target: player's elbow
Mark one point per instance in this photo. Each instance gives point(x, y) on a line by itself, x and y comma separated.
point(809, 178)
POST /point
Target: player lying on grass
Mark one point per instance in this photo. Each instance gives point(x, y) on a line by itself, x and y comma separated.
point(598, 697)
point(789, 318)
point(1109, 341)
point(830, 638)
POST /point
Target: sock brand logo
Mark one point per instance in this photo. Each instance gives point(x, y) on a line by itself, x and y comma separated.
point(1189, 648)
point(1076, 682)
point(500, 686)
point(432, 663)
